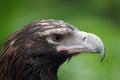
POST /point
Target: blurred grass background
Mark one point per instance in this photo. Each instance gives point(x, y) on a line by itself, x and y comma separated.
point(101, 17)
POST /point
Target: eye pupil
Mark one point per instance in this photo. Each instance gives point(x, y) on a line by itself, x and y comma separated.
point(57, 37)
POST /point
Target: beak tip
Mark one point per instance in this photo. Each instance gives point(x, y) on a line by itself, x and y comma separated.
point(101, 60)
point(102, 56)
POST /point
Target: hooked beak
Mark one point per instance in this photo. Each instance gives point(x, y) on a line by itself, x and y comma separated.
point(83, 42)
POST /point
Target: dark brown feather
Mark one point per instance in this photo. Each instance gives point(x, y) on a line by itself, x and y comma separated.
point(28, 56)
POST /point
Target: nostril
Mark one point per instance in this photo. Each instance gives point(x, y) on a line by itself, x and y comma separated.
point(84, 38)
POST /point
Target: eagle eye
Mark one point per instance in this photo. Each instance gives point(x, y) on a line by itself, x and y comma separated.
point(57, 37)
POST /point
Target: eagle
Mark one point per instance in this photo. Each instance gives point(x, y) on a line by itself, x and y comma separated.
point(36, 51)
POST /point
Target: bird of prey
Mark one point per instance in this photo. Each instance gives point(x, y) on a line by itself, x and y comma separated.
point(36, 51)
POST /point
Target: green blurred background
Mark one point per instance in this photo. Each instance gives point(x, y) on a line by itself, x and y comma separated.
point(101, 17)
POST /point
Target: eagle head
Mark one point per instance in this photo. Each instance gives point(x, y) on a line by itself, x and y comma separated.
point(40, 47)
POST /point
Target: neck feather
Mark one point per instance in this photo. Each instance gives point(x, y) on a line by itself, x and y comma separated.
point(35, 68)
